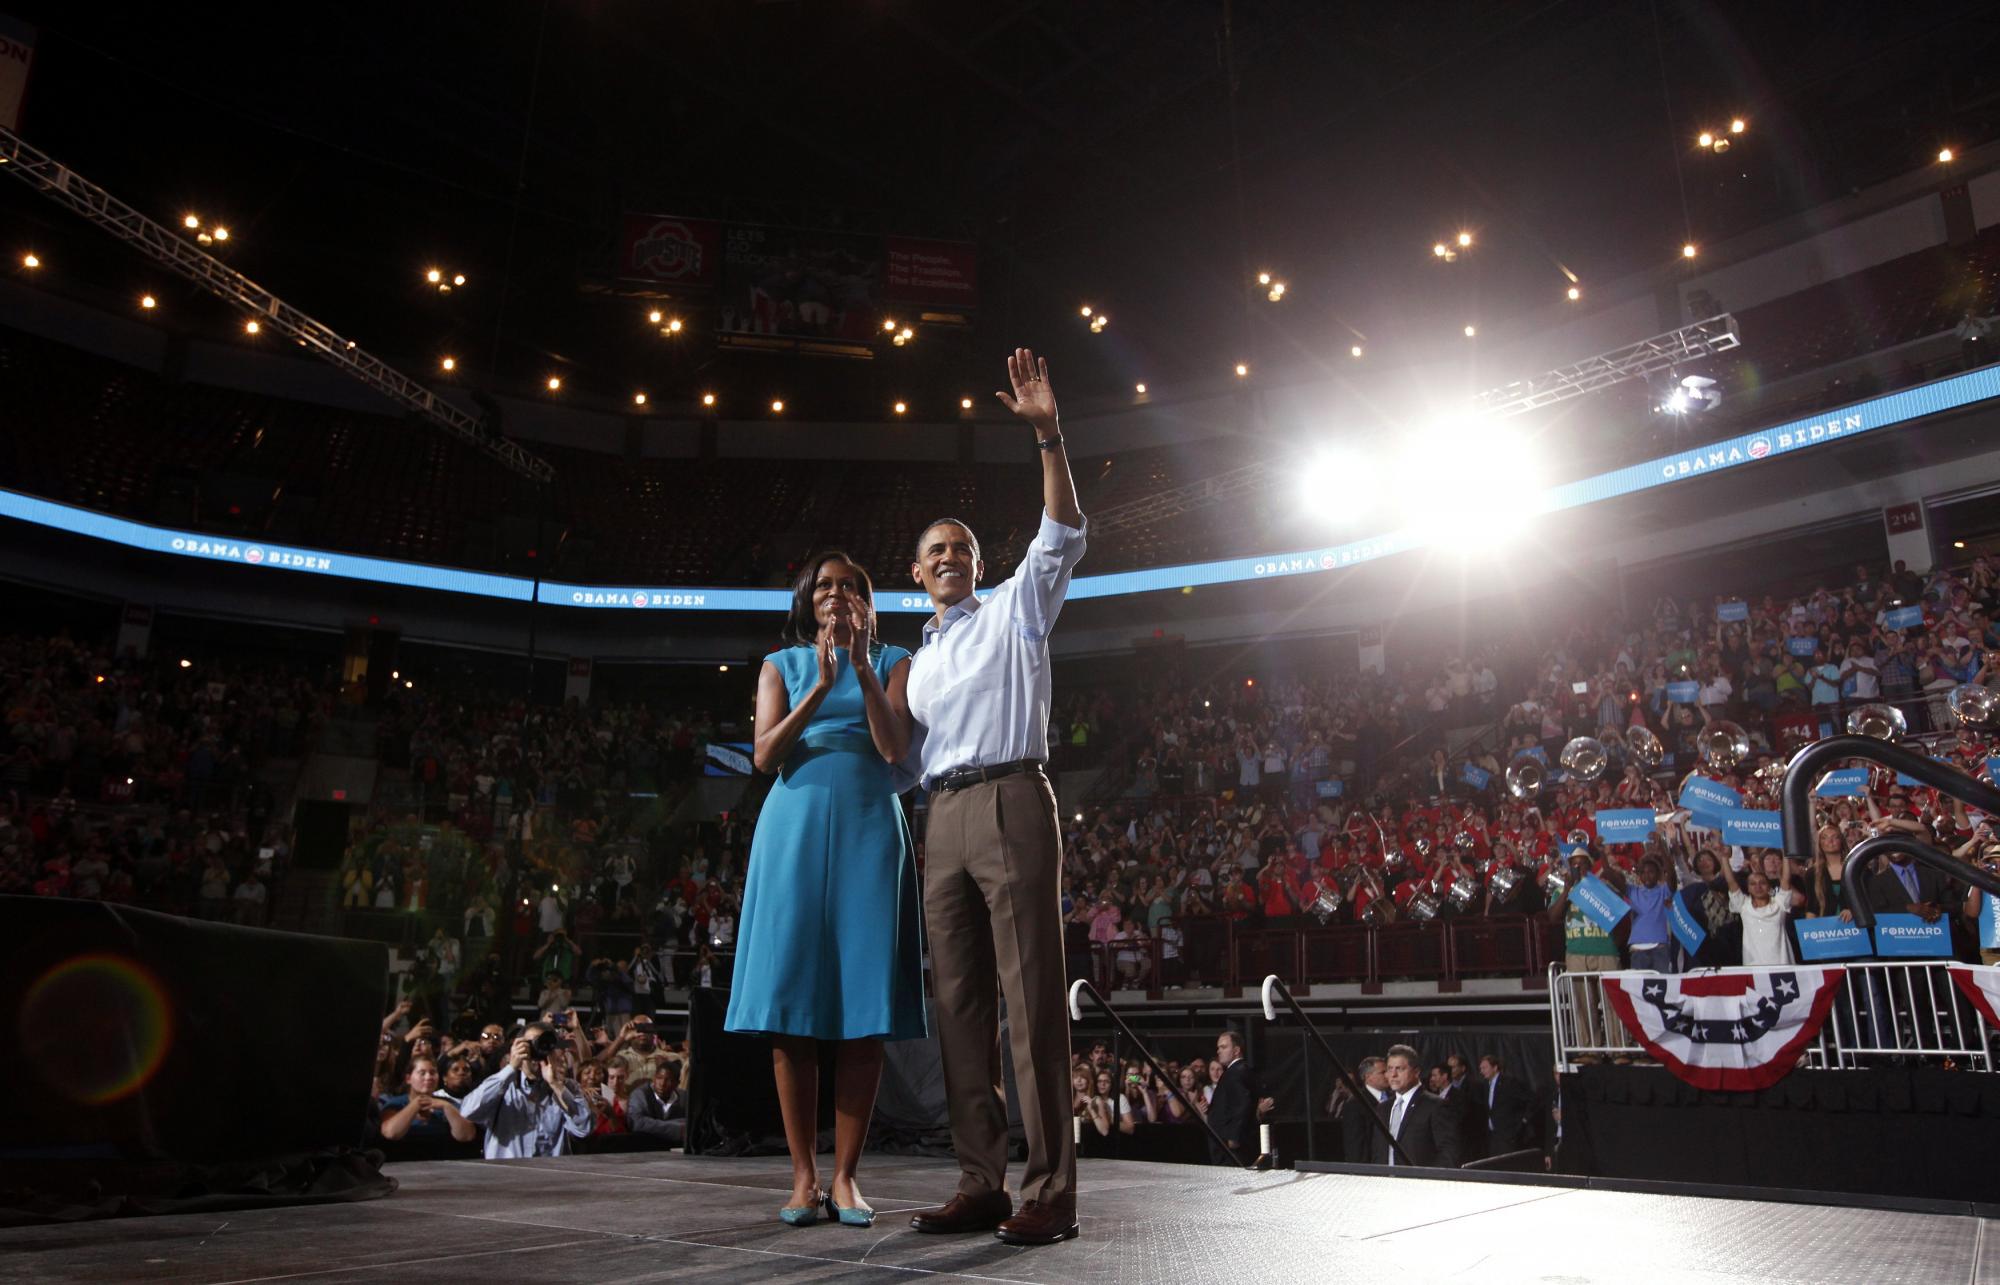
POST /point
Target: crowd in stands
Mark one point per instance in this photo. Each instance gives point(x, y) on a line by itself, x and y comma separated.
point(139, 780)
point(1251, 800)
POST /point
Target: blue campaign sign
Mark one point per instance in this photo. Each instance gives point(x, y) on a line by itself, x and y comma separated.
point(1732, 611)
point(1330, 789)
point(1989, 921)
point(1474, 775)
point(1909, 937)
point(1624, 825)
point(1829, 938)
point(1599, 904)
point(1535, 752)
point(1803, 645)
point(1709, 799)
point(1752, 827)
point(1993, 770)
point(1843, 783)
point(1688, 931)
point(1683, 693)
point(1903, 618)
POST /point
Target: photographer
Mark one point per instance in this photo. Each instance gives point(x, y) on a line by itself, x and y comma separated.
point(530, 1107)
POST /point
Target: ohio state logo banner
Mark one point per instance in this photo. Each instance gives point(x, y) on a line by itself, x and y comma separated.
point(1730, 1029)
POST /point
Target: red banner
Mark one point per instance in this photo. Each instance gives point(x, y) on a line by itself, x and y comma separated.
point(937, 272)
point(660, 249)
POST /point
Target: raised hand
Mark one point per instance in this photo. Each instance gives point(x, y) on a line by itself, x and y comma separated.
point(1034, 398)
point(859, 635)
point(829, 658)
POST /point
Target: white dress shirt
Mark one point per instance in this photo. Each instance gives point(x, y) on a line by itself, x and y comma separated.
point(979, 686)
point(1399, 1108)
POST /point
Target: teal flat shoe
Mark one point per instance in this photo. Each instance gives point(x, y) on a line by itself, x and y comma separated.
point(803, 1215)
point(849, 1217)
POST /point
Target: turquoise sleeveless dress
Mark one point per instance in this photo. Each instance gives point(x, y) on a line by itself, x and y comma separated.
point(830, 942)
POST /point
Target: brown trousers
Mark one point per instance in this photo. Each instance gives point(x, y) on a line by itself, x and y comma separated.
point(992, 870)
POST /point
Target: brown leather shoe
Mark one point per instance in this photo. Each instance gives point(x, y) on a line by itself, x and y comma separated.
point(967, 1213)
point(1038, 1224)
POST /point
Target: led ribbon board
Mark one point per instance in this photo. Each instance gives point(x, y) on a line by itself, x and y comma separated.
point(1850, 421)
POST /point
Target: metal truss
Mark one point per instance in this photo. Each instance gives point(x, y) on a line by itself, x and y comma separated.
point(1633, 361)
point(66, 187)
point(1187, 498)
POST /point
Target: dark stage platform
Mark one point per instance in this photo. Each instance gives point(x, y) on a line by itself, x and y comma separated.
point(658, 1217)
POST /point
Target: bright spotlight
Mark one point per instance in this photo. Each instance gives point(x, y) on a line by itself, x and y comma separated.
point(1355, 351)
point(708, 399)
point(1687, 251)
point(457, 278)
point(251, 327)
point(965, 403)
point(1339, 487)
point(656, 316)
point(1440, 250)
point(902, 407)
point(1464, 240)
point(191, 222)
point(1470, 331)
point(555, 383)
point(1694, 394)
point(638, 399)
point(1467, 484)
point(1139, 389)
point(433, 276)
point(1944, 155)
point(1737, 126)
point(889, 324)
point(674, 326)
point(148, 302)
point(186, 663)
point(222, 234)
point(1575, 294)
point(1242, 370)
point(449, 363)
point(1706, 139)
point(1086, 310)
point(777, 406)
point(1263, 278)
point(31, 260)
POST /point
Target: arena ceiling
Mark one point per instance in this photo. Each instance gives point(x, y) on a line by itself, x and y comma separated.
point(1146, 156)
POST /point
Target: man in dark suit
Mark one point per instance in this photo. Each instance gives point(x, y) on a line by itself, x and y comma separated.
point(1234, 1106)
point(1907, 888)
point(1424, 1129)
point(1509, 1107)
point(1359, 1139)
point(1447, 1081)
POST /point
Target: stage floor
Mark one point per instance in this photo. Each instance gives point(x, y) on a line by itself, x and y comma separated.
point(654, 1217)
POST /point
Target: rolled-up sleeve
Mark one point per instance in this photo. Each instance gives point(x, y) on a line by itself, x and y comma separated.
point(1042, 580)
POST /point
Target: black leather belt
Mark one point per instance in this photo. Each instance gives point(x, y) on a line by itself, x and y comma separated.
point(962, 777)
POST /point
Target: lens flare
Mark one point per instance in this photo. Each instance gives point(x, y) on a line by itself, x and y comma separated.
point(96, 1027)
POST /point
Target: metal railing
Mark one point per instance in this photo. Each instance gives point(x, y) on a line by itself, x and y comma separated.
point(1903, 1009)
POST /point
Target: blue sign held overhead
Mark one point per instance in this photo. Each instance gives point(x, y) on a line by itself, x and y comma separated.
point(1989, 921)
point(1708, 799)
point(1624, 825)
point(1330, 789)
point(1727, 611)
point(1685, 692)
point(1689, 931)
point(1829, 938)
point(1903, 618)
point(1843, 783)
point(1909, 937)
point(1753, 827)
point(1599, 904)
point(1474, 775)
point(1802, 645)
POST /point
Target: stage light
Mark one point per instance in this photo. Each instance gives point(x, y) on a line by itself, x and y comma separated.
point(1737, 126)
point(555, 383)
point(1440, 250)
point(889, 324)
point(1242, 370)
point(251, 327)
point(638, 399)
point(1465, 483)
point(722, 669)
point(191, 222)
point(148, 302)
point(965, 403)
point(1086, 310)
point(1276, 292)
point(409, 683)
point(1575, 294)
point(1944, 156)
point(457, 279)
point(100, 677)
point(395, 673)
point(1339, 486)
point(1263, 278)
point(1470, 331)
point(449, 363)
point(1956, 544)
point(777, 407)
point(675, 325)
point(1687, 251)
point(222, 234)
point(901, 407)
point(708, 399)
point(31, 260)
point(1355, 351)
point(433, 276)
point(907, 333)
point(899, 341)
point(1464, 240)
point(1139, 389)
point(1705, 139)
point(186, 663)
point(656, 316)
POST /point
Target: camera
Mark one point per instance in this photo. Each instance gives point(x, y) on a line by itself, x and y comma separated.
point(545, 1043)
point(560, 1019)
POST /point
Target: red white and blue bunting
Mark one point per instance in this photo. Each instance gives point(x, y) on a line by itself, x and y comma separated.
point(1730, 1029)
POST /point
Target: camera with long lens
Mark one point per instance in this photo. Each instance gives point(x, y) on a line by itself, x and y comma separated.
point(544, 1043)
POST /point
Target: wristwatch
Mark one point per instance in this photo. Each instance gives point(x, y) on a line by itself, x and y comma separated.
point(1048, 443)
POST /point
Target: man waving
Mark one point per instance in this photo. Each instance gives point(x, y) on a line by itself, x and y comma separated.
point(979, 688)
